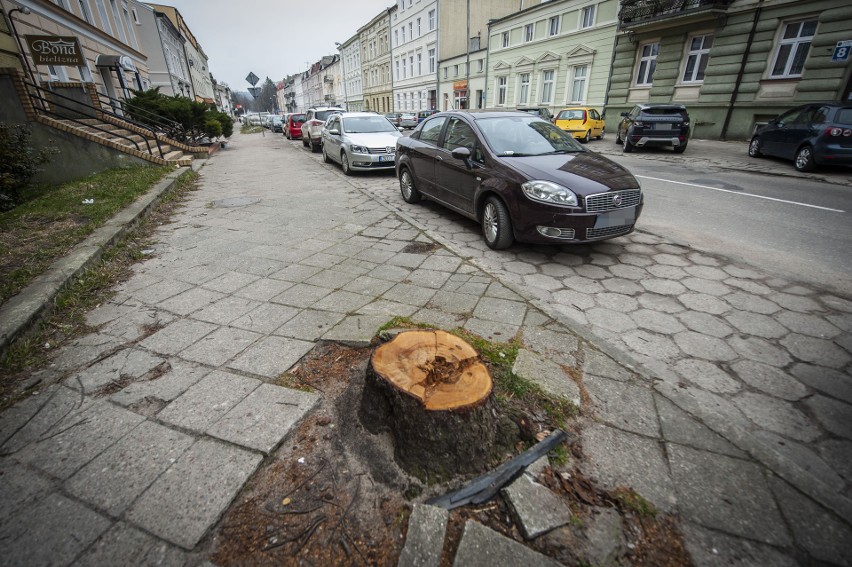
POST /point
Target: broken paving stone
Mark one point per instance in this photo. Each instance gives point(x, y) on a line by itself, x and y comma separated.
point(548, 375)
point(425, 540)
point(483, 547)
point(536, 508)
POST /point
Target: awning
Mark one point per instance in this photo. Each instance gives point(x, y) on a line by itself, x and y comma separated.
point(115, 60)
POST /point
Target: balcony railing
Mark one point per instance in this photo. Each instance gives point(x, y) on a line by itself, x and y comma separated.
point(636, 12)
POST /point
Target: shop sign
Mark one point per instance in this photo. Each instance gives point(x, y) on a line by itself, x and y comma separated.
point(63, 50)
point(459, 85)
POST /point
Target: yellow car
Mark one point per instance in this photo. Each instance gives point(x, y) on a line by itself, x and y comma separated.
point(582, 123)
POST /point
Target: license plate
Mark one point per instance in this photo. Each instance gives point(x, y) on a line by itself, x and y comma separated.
point(618, 217)
point(662, 126)
point(386, 158)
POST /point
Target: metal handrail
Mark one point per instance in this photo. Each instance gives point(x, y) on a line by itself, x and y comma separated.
point(46, 103)
point(170, 127)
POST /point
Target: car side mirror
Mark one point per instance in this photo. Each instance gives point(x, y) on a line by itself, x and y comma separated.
point(462, 154)
point(334, 132)
point(400, 128)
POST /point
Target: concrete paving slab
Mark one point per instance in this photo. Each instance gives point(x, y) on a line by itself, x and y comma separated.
point(85, 350)
point(116, 477)
point(726, 494)
point(548, 375)
point(51, 532)
point(271, 356)
point(189, 498)
point(177, 379)
point(264, 417)
point(178, 335)
point(483, 547)
point(777, 416)
point(424, 541)
point(191, 300)
point(617, 458)
point(356, 330)
point(29, 419)
point(770, 380)
point(832, 414)
point(707, 375)
point(301, 295)
point(78, 438)
point(128, 363)
point(309, 324)
point(125, 545)
point(208, 400)
point(625, 406)
point(220, 346)
point(710, 548)
point(20, 486)
point(680, 427)
point(535, 507)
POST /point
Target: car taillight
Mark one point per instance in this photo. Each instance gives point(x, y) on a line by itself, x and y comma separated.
point(639, 123)
point(834, 132)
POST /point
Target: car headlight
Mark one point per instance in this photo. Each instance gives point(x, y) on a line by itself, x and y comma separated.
point(548, 192)
point(358, 149)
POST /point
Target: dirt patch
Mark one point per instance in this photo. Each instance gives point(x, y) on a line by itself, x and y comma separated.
point(421, 247)
point(332, 494)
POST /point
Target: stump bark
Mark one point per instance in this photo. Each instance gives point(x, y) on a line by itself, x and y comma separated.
point(432, 393)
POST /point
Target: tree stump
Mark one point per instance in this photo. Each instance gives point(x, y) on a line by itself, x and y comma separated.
point(431, 392)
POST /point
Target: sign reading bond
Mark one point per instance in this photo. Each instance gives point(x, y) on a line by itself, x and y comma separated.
point(55, 50)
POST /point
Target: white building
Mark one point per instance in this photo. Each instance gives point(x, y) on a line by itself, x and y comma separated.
point(350, 60)
point(414, 55)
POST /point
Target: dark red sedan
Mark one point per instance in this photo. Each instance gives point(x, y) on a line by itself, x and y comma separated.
point(520, 177)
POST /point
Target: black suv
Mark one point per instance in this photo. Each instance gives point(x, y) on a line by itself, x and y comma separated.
point(654, 125)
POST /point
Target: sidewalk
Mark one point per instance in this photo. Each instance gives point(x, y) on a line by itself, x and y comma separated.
point(166, 411)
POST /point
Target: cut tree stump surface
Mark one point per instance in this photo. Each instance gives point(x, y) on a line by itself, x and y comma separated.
point(437, 368)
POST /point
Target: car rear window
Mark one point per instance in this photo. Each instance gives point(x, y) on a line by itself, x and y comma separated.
point(324, 114)
point(572, 115)
point(663, 110)
point(844, 116)
point(298, 118)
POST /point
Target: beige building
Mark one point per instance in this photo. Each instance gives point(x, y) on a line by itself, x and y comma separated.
point(377, 84)
point(102, 30)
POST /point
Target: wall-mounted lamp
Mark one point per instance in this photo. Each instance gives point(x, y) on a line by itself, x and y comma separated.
point(25, 11)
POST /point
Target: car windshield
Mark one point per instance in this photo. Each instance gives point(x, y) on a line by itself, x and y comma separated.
point(517, 136)
point(572, 115)
point(367, 124)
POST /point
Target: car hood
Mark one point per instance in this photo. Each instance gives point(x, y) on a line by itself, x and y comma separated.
point(583, 172)
point(374, 139)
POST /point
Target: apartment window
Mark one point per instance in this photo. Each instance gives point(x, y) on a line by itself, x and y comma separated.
point(410, 30)
point(102, 11)
point(524, 88)
point(480, 65)
point(130, 33)
point(403, 34)
point(553, 26)
point(446, 72)
point(547, 86)
point(86, 12)
point(117, 17)
point(579, 75)
point(529, 31)
point(419, 63)
point(431, 20)
point(505, 39)
point(501, 91)
point(395, 38)
point(647, 63)
point(397, 69)
point(419, 33)
point(455, 70)
point(588, 17)
point(135, 16)
point(431, 60)
point(63, 3)
point(411, 66)
point(793, 49)
point(696, 59)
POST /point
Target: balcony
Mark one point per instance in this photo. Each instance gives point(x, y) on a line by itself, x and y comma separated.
point(636, 13)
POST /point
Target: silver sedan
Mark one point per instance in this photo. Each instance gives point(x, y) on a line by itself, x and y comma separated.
point(359, 141)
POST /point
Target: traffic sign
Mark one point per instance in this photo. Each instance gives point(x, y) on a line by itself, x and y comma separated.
point(841, 51)
point(252, 78)
point(255, 91)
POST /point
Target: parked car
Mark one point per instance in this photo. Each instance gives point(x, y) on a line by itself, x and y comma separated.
point(654, 125)
point(581, 122)
point(359, 141)
point(543, 113)
point(408, 120)
point(520, 177)
point(293, 126)
point(810, 135)
point(275, 123)
point(394, 118)
point(315, 118)
point(424, 114)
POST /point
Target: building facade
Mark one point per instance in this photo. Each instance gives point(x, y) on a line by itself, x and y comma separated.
point(202, 84)
point(377, 82)
point(552, 55)
point(734, 63)
point(161, 41)
point(109, 55)
point(414, 51)
point(462, 49)
point(350, 60)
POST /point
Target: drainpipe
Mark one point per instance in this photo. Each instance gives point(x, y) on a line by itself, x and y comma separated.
point(487, 55)
point(609, 78)
point(730, 111)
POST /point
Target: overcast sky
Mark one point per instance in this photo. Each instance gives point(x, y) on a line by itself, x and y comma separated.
point(271, 38)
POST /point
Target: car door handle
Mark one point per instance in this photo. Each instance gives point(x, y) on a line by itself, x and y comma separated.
point(439, 158)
